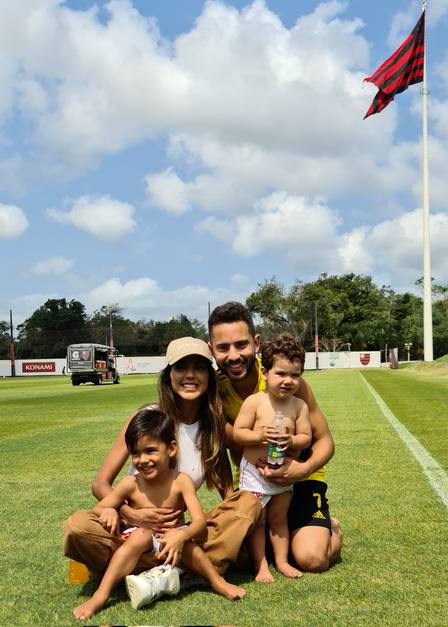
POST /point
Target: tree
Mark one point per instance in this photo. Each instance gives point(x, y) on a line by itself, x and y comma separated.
point(439, 316)
point(124, 330)
point(5, 339)
point(154, 336)
point(278, 310)
point(351, 309)
point(440, 324)
point(51, 328)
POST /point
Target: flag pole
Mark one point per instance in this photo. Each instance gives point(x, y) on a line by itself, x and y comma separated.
point(427, 291)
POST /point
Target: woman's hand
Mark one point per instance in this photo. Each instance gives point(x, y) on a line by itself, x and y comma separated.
point(109, 519)
point(159, 519)
point(173, 542)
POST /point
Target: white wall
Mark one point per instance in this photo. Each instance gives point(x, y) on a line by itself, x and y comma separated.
point(348, 359)
point(140, 365)
point(34, 367)
point(147, 365)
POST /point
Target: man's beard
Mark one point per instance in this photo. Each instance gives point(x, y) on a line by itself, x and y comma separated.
point(248, 365)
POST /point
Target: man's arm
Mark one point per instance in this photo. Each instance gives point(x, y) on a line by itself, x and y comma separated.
point(322, 447)
point(302, 437)
point(229, 435)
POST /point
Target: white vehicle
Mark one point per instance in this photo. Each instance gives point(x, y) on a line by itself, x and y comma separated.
point(92, 363)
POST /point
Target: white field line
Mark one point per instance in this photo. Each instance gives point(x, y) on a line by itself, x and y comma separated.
point(434, 472)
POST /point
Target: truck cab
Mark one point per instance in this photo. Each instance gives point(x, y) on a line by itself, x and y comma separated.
point(92, 363)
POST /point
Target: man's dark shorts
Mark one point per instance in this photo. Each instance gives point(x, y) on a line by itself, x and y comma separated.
point(309, 506)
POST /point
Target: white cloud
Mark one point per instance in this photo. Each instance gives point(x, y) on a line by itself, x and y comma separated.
point(168, 191)
point(52, 265)
point(302, 231)
point(392, 250)
point(101, 216)
point(248, 115)
point(11, 173)
point(310, 237)
point(438, 10)
point(92, 86)
point(239, 280)
point(13, 221)
point(257, 141)
point(352, 251)
point(144, 298)
point(404, 21)
point(397, 246)
point(23, 306)
point(263, 123)
point(95, 86)
point(129, 293)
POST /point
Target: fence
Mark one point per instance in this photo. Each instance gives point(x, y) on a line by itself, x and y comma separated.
point(148, 365)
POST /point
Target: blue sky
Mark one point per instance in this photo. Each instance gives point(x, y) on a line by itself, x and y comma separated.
point(163, 154)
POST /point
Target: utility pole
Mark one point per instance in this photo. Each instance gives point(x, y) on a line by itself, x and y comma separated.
point(115, 308)
point(11, 346)
point(427, 288)
point(408, 346)
point(111, 337)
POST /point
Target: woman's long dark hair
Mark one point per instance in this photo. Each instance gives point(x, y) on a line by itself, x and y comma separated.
point(211, 432)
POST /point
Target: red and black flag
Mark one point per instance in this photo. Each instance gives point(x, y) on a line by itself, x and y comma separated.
point(405, 67)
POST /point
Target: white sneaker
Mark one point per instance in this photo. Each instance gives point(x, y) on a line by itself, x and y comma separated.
point(145, 588)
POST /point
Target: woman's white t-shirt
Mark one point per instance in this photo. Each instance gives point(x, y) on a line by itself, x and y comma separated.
point(188, 454)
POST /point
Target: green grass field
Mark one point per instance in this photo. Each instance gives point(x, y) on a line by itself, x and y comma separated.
point(394, 565)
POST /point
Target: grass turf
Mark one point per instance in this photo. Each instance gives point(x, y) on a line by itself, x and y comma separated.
point(394, 564)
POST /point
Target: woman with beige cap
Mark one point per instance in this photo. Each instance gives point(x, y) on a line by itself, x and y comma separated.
point(188, 391)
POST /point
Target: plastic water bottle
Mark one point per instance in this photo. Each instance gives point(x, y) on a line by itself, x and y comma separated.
point(275, 454)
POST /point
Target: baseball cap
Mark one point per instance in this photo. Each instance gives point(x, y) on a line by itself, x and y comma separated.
point(184, 346)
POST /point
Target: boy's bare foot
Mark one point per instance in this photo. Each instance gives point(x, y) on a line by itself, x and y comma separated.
point(264, 575)
point(228, 590)
point(286, 569)
point(87, 609)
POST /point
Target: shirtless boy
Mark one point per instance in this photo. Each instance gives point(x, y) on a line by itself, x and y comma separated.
point(282, 361)
point(150, 438)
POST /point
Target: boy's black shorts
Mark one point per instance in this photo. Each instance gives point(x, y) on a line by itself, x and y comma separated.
point(309, 506)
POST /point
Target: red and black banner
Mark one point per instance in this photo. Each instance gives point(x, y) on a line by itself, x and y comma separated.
point(405, 67)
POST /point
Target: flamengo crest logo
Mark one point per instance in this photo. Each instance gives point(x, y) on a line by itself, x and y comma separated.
point(39, 366)
point(364, 358)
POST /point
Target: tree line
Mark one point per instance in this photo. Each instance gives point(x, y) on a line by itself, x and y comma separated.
point(352, 314)
point(59, 323)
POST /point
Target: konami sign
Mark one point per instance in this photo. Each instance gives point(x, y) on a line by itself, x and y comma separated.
point(38, 366)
